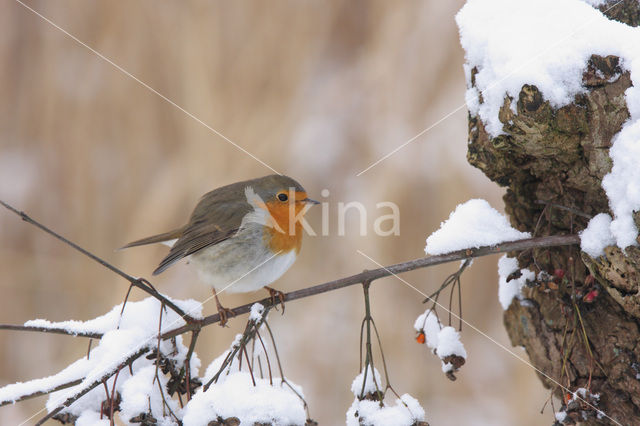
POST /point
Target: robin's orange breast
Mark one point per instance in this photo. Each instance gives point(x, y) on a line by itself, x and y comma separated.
point(286, 234)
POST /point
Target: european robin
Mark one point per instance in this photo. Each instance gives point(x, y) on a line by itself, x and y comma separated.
point(240, 237)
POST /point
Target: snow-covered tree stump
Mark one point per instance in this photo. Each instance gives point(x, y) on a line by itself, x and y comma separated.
point(579, 321)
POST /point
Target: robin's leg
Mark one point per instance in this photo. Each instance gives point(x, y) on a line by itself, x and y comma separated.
point(273, 293)
point(224, 313)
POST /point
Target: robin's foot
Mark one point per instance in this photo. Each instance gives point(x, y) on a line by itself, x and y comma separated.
point(273, 293)
point(224, 313)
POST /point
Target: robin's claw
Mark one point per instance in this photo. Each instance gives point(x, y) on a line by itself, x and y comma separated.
point(224, 313)
point(273, 293)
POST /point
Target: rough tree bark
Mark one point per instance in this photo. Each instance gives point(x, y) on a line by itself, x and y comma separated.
point(560, 156)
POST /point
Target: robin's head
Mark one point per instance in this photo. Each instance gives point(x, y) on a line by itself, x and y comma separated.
point(279, 190)
point(286, 202)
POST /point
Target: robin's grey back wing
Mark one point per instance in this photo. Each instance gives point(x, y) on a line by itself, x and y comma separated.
point(212, 222)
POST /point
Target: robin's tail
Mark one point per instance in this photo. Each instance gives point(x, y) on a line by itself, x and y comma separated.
point(160, 238)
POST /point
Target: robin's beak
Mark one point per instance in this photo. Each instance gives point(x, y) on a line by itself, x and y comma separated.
point(310, 201)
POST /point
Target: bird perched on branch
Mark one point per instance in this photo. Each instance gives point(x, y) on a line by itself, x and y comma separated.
point(241, 237)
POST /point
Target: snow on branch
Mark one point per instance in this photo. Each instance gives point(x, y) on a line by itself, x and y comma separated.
point(472, 224)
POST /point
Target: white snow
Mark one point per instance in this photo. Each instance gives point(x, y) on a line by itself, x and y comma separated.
point(472, 224)
point(143, 387)
point(547, 43)
point(597, 235)
point(235, 395)
point(139, 322)
point(140, 394)
point(138, 328)
point(135, 313)
point(560, 416)
point(256, 312)
point(405, 412)
point(75, 371)
point(100, 324)
point(238, 397)
point(595, 3)
point(622, 184)
point(508, 290)
point(428, 323)
point(449, 343)
point(92, 418)
point(370, 385)
point(584, 393)
point(215, 365)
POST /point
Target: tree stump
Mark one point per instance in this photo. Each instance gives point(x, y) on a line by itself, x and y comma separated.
point(581, 326)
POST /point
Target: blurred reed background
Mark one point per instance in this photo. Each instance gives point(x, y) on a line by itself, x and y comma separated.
point(319, 91)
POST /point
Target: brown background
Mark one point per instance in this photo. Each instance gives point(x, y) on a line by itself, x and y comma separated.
point(319, 91)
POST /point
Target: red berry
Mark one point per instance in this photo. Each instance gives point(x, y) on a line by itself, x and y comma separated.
point(559, 273)
point(421, 338)
point(589, 297)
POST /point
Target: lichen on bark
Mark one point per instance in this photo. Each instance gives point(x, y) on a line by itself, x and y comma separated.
point(582, 330)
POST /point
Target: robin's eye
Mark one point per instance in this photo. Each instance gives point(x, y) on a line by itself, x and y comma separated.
point(283, 197)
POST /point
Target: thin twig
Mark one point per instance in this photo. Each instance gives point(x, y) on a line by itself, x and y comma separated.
point(246, 356)
point(282, 376)
point(368, 362)
point(106, 392)
point(37, 224)
point(141, 283)
point(187, 362)
point(384, 361)
point(158, 353)
point(113, 397)
point(164, 399)
point(266, 356)
point(275, 350)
